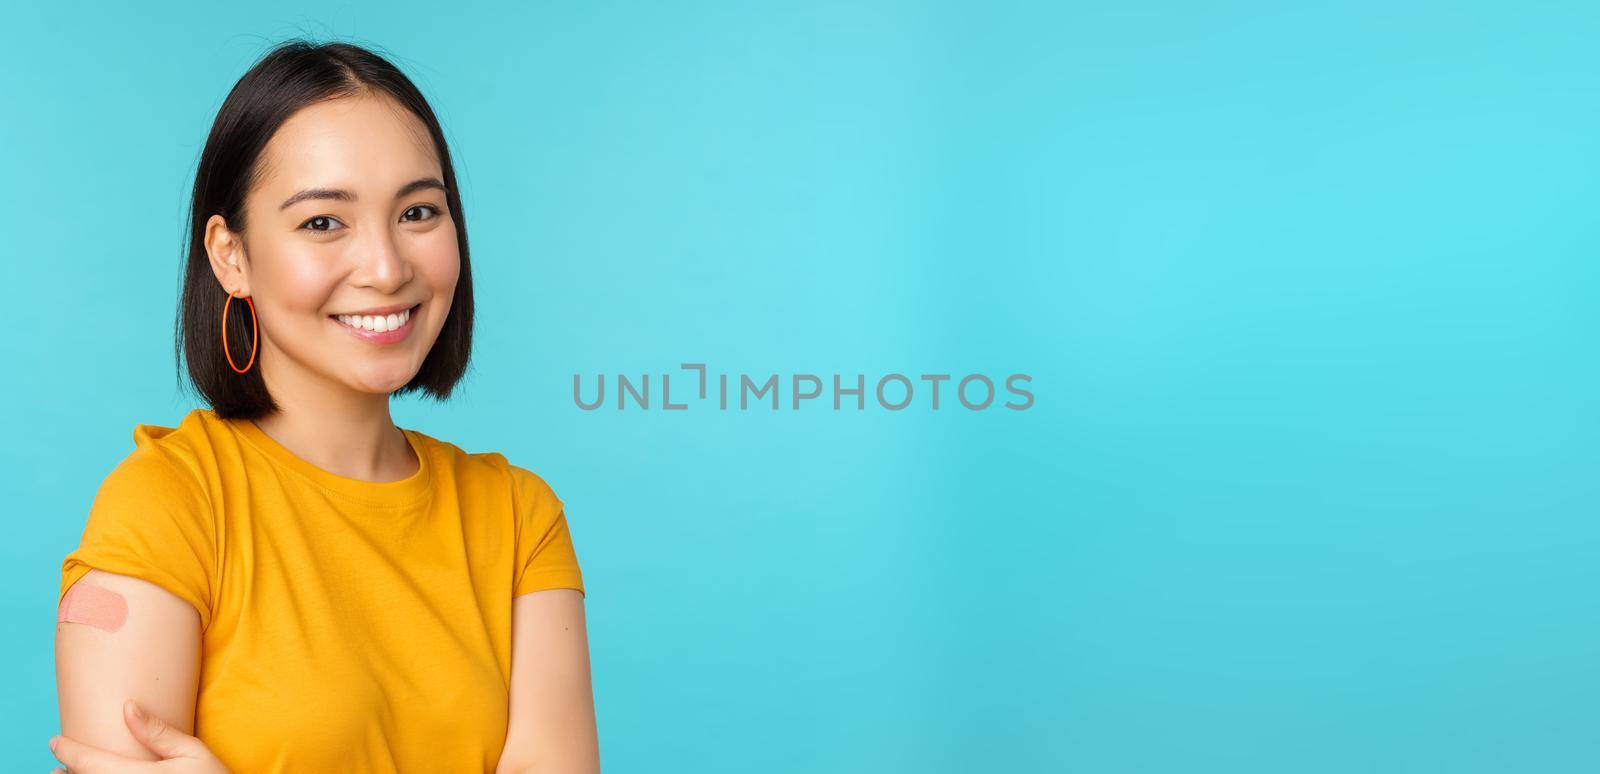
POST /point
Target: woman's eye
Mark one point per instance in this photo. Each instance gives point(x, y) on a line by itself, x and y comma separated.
point(420, 207)
point(324, 220)
point(324, 223)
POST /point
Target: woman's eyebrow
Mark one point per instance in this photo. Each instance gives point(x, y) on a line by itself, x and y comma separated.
point(342, 195)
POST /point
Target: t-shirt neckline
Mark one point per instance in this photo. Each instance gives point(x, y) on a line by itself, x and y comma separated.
point(406, 491)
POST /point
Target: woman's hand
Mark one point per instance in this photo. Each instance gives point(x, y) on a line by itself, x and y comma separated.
point(180, 753)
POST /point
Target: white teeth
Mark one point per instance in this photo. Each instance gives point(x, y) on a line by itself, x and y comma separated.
point(376, 323)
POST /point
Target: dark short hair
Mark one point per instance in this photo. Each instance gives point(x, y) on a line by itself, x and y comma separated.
point(293, 75)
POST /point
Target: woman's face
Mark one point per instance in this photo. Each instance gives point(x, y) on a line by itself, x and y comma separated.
point(349, 216)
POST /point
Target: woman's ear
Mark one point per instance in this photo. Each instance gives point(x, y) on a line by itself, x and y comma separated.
point(225, 250)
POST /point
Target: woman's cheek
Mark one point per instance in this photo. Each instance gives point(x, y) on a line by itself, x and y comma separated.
point(444, 261)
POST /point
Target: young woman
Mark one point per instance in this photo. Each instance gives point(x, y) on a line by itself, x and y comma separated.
point(287, 581)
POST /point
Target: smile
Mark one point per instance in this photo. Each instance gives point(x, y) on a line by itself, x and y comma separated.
point(379, 329)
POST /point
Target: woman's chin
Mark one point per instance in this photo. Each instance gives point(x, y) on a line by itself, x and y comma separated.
point(379, 383)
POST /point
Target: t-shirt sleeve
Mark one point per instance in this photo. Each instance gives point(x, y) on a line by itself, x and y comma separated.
point(150, 520)
point(545, 558)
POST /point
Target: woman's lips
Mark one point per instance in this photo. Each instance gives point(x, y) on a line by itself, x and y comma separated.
point(382, 337)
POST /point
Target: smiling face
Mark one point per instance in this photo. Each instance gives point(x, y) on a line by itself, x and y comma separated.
point(349, 217)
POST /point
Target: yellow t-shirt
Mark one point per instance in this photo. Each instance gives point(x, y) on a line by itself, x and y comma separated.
point(347, 625)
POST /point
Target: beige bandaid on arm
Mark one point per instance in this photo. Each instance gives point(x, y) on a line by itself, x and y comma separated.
point(93, 605)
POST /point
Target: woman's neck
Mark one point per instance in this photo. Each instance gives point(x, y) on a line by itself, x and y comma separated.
point(344, 432)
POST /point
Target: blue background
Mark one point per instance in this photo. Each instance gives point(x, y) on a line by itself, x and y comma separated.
point(1307, 292)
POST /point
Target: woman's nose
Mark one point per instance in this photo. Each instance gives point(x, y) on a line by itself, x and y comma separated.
point(383, 265)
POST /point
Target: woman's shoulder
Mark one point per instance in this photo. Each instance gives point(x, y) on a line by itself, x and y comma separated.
point(151, 518)
point(170, 455)
point(487, 466)
point(155, 491)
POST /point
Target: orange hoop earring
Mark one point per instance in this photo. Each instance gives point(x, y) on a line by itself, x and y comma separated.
point(255, 336)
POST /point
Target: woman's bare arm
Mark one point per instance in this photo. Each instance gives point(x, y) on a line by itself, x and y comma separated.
point(152, 658)
point(552, 724)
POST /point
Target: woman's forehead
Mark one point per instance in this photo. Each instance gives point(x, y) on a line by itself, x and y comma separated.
point(349, 143)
